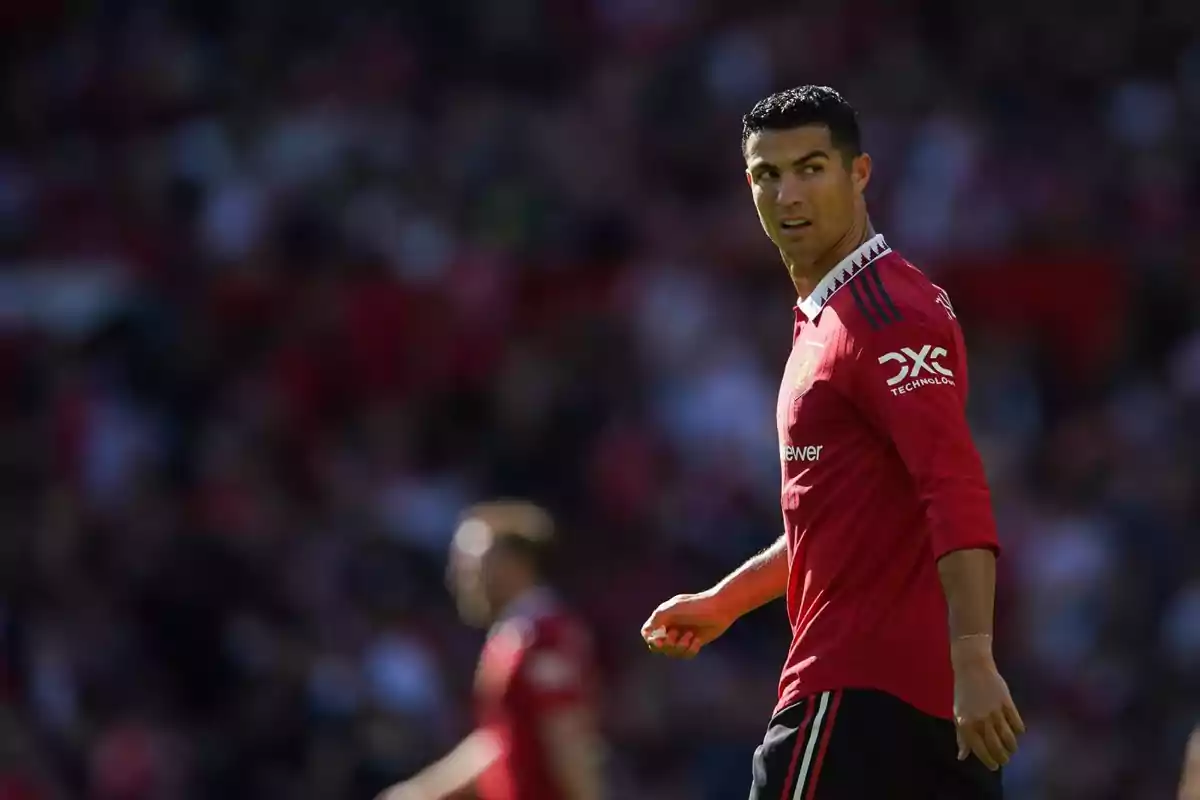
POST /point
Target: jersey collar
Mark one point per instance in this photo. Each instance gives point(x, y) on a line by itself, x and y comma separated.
point(870, 250)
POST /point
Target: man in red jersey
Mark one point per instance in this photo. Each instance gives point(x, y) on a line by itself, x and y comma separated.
point(889, 547)
point(536, 737)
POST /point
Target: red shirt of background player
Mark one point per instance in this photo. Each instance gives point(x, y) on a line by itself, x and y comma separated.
point(537, 661)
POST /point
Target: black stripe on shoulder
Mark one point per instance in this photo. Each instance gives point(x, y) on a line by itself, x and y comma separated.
point(873, 270)
point(869, 293)
point(862, 307)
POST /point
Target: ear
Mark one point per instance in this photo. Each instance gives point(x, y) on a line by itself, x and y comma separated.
point(860, 172)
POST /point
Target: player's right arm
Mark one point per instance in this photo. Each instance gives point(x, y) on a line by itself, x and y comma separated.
point(688, 622)
point(455, 772)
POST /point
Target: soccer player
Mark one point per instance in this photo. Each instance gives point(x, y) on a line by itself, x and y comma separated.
point(536, 734)
point(888, 553)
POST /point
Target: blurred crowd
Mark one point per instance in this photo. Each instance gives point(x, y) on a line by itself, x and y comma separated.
point(285, 285)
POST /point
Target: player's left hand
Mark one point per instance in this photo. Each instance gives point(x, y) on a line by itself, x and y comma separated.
point(985, 716)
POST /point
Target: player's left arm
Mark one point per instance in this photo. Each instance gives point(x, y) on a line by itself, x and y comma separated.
point(573, 748)
point(453, 773)
point(1189, 780)
point(911, 383)
point(555, 677)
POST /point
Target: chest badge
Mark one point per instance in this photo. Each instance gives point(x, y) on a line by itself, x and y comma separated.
point(808, 359)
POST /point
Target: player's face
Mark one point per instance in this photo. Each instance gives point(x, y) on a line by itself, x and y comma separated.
point(470, 555)
point(806, 193)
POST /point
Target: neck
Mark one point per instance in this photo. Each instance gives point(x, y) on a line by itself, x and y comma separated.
point(517, 596)
point(807, 274)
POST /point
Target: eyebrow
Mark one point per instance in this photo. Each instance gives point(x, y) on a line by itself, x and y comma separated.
point(809, 156)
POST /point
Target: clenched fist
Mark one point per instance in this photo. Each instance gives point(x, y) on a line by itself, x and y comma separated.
point(687, 622)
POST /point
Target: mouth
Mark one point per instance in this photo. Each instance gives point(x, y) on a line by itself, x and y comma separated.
point(794, 224)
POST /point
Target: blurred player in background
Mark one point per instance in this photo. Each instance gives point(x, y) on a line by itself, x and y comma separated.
point(536, 737)
point(888, 554)
point(1189, 781)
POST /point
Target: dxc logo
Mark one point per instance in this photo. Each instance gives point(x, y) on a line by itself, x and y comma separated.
point(913, 362)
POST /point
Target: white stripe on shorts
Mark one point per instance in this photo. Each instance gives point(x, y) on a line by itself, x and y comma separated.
point(814, 736)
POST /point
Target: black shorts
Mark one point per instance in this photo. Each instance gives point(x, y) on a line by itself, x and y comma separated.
point(855, 744)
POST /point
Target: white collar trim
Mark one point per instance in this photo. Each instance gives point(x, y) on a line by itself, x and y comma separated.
point(871, 250)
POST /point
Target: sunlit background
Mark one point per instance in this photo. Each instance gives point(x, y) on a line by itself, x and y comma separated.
point(283, 285)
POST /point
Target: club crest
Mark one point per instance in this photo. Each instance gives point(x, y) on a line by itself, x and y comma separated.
point(804, 370)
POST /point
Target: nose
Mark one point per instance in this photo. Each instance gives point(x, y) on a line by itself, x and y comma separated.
point(791, 190)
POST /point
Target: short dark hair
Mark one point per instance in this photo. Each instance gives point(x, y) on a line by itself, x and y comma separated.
point(806, 105)
point(518, 527)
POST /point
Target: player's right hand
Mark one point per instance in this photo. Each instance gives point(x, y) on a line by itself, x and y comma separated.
point(687, 622)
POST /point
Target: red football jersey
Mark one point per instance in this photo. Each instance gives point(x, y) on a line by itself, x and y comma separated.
point(537, 660)
point(880, 479)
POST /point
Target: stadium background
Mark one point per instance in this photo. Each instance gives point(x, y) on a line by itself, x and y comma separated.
point(285, 285)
